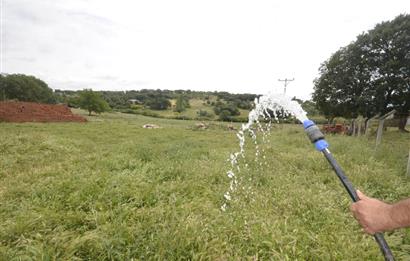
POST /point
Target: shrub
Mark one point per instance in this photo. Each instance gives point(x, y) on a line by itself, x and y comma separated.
point(203, 113)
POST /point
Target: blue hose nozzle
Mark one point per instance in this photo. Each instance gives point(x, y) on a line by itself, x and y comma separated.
point(315, 135)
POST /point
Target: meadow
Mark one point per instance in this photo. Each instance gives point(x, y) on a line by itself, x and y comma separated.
point(112, 190)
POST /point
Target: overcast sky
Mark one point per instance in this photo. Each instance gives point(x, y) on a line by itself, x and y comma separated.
point(225, 45)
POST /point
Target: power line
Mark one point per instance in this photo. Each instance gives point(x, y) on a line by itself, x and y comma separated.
point(286, 83)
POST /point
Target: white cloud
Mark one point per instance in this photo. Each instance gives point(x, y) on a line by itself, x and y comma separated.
point(229, 45)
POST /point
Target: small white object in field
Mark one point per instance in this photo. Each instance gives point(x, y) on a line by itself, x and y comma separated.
point(150, 126)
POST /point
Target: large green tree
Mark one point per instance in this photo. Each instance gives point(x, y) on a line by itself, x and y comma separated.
point(25, 88)
point(92, 102)
point(369, 76)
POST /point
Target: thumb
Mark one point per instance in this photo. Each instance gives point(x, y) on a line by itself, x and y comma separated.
point(361, 195)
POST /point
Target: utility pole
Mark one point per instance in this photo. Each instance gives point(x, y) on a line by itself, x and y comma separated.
point(286, 83)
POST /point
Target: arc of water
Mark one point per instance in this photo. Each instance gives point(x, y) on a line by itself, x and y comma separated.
point(263, 105)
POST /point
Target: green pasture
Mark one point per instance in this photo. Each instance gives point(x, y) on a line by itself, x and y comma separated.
point(112, 190)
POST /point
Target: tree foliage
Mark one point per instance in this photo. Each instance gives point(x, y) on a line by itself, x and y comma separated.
point(370, 75)
point(182, 103)
point(92, 102)
point(116, 99)
point(25, 88)
point(242, 101)
point(203, 113)
point(158, 103)
point(226, 110)
point(230, 108)
point(310, 108)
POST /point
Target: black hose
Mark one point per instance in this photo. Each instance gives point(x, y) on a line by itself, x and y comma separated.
point(384, 247)
point(341, 175)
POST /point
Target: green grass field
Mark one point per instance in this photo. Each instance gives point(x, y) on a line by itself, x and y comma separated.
point(111, 190)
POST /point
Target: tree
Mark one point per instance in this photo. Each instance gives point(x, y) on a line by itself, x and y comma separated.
point(310, 108)
point(180, 104)
point(92, 102)
point(369, 76)
point(25, 88)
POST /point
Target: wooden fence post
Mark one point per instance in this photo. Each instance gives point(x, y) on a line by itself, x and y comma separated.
point(408, 166)
point(366, 126)
point(387, 116)
point(353, 128)
point(379, 132)
point(369, 122)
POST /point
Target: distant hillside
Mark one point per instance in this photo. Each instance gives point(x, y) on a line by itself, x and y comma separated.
point(177, 104)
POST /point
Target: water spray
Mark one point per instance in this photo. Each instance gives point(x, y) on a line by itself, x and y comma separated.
point(317, 137)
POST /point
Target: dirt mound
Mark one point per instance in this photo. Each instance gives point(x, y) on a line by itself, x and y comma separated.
point(12, 111)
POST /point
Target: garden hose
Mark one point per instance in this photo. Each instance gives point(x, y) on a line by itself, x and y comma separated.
point(317, 137)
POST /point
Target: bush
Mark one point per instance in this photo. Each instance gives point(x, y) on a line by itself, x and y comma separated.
point(136, 106)
point(150, 114)
point(225, 115)
point(181, 117)
point(203, 113)
point(239, 119)
point(231, 108)
point(158, 103)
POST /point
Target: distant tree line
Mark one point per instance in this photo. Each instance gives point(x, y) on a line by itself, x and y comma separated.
point(29, 88)
point(160, 99)
point(225, 105)
point(242, 101)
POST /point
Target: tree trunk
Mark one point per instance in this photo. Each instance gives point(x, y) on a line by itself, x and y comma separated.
point(89, 113)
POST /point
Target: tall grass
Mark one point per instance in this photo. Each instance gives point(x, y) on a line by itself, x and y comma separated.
point(111, 190)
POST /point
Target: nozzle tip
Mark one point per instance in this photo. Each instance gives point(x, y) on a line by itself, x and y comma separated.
point(307, 124)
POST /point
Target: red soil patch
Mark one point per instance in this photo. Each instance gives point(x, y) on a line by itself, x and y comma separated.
point(12, 111)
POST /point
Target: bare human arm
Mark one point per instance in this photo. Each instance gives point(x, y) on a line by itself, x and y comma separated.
point(376, 216)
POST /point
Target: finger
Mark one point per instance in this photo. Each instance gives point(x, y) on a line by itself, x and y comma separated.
point(353, 207)
point(360, 194)
point(356, 216)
